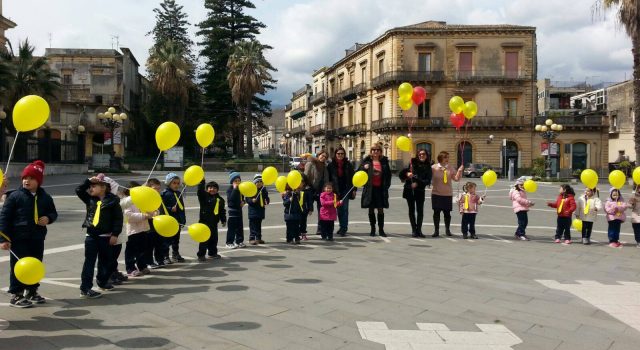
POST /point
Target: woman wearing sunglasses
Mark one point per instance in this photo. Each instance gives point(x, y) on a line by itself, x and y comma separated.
point(341, 175)
point(375, 194)
point(416, 178)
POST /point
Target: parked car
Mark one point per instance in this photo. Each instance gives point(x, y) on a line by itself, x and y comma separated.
point(476, 169)
point(295, 162)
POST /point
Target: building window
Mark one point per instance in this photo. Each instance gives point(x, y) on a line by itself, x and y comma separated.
point(465, 152)
point(352, 78)
point(363, 115)
point(424, 109)
point(380, 110)
point(465, 64)
point(351, 115)
point(340, 83)
point(511, 107)
point(97, 99)
point(364, 74)
point(511, 64)
point(380, 66)
point(424, 62)
point(66, 79)
point(579, 156)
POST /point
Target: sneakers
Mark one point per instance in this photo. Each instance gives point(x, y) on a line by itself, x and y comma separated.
point(523, 238)
point(202, 259)
point(448, 233)
point(20, 301)
point(90, 294)
point(34, 297)
point(382, 234)
point(421, 235)
point(178, 258)
point(304, 238)
point(586, 241)
point(216, 257)
point(260, 241)
point(107, 286)
point(115, 282)
point(557, 240)
point(615, 244)
point(231, 246)
point(638, 245)
point(567, 241)
point(167, 261)
point(241, 245)
point(145, 271)
point(473, 236)
point(464, 236)
point(435, 234)
point(153, 266)
point(253, 242)
point(134, 273)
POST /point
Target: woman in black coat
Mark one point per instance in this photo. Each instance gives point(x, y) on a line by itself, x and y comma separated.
point(341, 176)
point(375, 194)
point(416, 177)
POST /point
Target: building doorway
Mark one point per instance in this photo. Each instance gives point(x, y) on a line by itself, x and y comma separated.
point(465, 153)
point(579, 156)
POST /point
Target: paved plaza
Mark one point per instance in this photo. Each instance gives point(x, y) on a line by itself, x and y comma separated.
point(358, 292)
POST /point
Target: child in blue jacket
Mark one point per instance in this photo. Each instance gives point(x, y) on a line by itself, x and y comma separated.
point(175, 206)
point(292, 214)
point(257, 205)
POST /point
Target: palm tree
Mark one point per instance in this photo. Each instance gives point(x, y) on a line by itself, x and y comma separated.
point(248, 75)
point(169, 74)
point(628, 13)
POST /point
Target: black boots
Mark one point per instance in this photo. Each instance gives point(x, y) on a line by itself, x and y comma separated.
point(447, 223)
point(372, 222)
point(381, 224)
point(436, 224)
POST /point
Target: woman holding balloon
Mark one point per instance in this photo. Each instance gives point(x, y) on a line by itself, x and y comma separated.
point(416, 178)
point(375, 194)
point(340, 174)
point(316, 171)
point(443, 175)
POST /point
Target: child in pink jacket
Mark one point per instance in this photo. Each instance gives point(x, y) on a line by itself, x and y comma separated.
point(615, 208)
point(521, 207)
point(468, 204)
point(328, 212)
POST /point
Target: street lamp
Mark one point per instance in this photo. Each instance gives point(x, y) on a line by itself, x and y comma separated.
point(548, 131)
point(3, 116)
point(111, 120)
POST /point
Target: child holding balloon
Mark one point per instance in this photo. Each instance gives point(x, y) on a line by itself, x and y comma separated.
point(588, 206)
point(235, 202)
point(521, 206)
point(306, 197)
point(328, 211)
point(174, 202)
point(615, 208)
point(137, 224)
point(292, 213)
point(155, 248)
point(257, 211)
point(565, 205)
point(23, 226)
point(212, 212)
point(469, 203)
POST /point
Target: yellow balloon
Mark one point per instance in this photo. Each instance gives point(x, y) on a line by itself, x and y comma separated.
point(294, 178)
point(166, 225)
point(489, 178)
point(205, 135)
point(281, 184)
point(167, 135)
point(29, 270)
point(1, 177)
point(405, 104)
point(405, 91)
point(248, 188)
point(145, 198)
point(530, 186)
point(617, 179)
point(269, 175)
point(404, 143)
point(193, 175)
point(470, 110)
point(30, 113)
point(577, 224)
point(360, 178)
point(456, 104)
point(589, 178)
point(199, 232)
point(636, 175)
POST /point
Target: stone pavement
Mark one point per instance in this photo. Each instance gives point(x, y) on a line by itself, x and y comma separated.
point(315, 296)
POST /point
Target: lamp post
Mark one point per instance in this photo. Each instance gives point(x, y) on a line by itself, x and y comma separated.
point(286, 147)
point(548, 131)
point(3, 116)
point(111, 120)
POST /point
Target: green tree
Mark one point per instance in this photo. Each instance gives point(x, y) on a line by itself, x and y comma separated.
point(226, 24)
point(249, 71)
point(628, 15)
point(172, 24)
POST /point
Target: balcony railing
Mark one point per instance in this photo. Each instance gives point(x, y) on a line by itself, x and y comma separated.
point(298, 112)
point(488, 75)
point(317, 129)
point(352, 129)
point(496, 122)
point(331, 133)
point(404, 123)
point(595, 120)
point(298, 130)
point(317, 98)
point(390, 78)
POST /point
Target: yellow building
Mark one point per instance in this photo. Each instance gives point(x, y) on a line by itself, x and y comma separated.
point(5, 24)
point(493, 65)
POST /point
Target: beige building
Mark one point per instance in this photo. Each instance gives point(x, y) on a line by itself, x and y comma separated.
point(298, 139)
point(5, 24)
point(267, 140)
point(621, 122)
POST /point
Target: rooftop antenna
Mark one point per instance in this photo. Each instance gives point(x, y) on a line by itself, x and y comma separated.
point(50, 37)
point(116, 39)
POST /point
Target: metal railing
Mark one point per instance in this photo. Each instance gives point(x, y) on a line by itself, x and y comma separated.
point(317, 98)
point(317, 129)
point(48, 150)
point(408, 76)
point(495, 121)
point(298, 112)
point(579, 120)
point(297, 130)
point(404, 123)
point(352, 129)
point(473, 75)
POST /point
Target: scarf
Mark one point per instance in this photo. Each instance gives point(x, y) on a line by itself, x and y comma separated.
point(466, 202)
point(178, 201)
point(216, 208)
point(35, 210)
point(96, 216)
point(444, 172)
point(560, 206)
point(586, 206)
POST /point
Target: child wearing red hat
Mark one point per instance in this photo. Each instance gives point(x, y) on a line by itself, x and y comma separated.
point(23, 226)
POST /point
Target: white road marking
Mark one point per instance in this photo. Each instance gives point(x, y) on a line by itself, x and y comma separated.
point(438, 336)
point(450, 239)
point(59, 283)
point(498, 238)
point(4, 324)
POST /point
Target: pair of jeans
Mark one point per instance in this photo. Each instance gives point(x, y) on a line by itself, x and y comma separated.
point(613, 231)
point(95, 247)
point(468, 224)
point(636, 231)
point(523, 221)
point(416, 213)
point(134, 253)
point(436, 220)
point(293, 230)
point(113, 259)
point(255, 229)
point(211, 245)
point(23, 248)
point(563, 228)
point(155, 248)
point(173, 243)
point(326, 228)
point(303, 223)
point(587, 226)
point(343, 213)
point(235, 231)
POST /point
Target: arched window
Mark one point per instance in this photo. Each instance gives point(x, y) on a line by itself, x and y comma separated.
point(579, 156)
point(465, 152)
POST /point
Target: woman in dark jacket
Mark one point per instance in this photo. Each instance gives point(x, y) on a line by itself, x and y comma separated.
point(316, 172)
point(375, 193)
point(341, 175)
point(416, 177)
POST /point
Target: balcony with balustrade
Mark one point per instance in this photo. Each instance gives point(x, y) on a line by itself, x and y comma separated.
point(318, 98)
point(496, 123)
point(489, 76)
point(317, 129)
point(298, 113)
point(593, 121)
point(388, 124)
point(416, 77)
point(354, 129)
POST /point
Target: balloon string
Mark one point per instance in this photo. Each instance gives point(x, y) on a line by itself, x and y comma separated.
point(202, 161)
point(11, 153)
point(181, 192)
point(154, 166)
point(14, 254)
point(348, 192)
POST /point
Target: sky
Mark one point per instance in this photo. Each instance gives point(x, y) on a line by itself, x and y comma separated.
point(308, 34)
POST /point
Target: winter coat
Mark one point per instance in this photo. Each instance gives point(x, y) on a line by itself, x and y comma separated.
point(421, 176)
point(110, 223)
point(328, 211)
point(292, 208)
point(256, 211)
point(316, 173)
point(308, 199)
point(135, 221)
point(519, 200)
point(367, 195)
point(474, 203)
point(235, 201)
point(439, 187)
point(17, 219)
point(615, 210)
point(170, 199)
point(568, 205)
point(208, 206)
point(634, 205)
point(595, 205)
point(341, 184)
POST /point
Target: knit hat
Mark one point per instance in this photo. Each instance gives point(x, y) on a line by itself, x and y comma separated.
point(257, 178)
point(34, 170)
point(170, 177)
point(521, 180)
point(233, 175)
